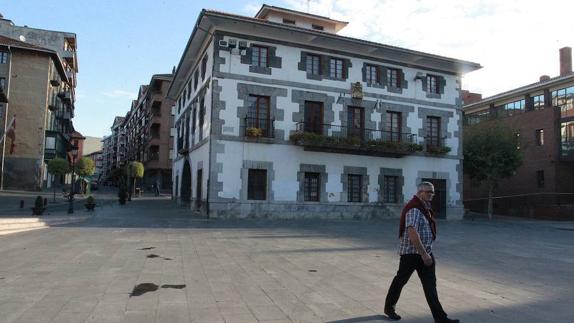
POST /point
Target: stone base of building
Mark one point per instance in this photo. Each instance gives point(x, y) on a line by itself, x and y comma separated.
point(454, 213)
point(294, 210)
point(22, 174)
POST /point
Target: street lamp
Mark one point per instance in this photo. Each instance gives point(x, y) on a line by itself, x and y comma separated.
point(74, 154)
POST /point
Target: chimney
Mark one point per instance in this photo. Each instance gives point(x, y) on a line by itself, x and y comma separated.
point(565, 61)
point(544, 78)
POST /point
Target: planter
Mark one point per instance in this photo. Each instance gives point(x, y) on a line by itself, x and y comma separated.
point(254, 132)
point(90, 206)
point(38, 211)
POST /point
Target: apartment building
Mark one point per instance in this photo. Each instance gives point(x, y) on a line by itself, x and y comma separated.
point(147, 127)
point(279, 116)
point(39, 102)
point(38, 75)
point(113, 148)
point(542, 116)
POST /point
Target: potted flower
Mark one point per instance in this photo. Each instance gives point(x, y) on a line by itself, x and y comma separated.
point(38, 208)
point(254, 132)
point(90, 203)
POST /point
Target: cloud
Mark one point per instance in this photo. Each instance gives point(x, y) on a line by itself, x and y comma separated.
point(515, 41)
point(120, 94)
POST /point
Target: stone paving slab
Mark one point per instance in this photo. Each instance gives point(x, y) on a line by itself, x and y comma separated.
point(277, 271)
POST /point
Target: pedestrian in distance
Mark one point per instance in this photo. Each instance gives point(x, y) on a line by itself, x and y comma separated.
point(417, 231)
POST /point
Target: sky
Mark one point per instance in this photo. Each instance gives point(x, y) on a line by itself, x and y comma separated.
point(121, 44)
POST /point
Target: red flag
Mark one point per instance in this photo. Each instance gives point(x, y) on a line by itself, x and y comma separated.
point(11, 133)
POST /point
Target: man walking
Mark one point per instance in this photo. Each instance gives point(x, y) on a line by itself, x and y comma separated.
point(417, 231)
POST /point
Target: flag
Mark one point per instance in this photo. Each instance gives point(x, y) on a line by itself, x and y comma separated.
point(11, 133)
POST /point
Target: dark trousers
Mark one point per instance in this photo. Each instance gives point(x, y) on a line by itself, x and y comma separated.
point(408, 264)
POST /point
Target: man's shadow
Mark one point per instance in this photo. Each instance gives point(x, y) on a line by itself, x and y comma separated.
point(364, 319)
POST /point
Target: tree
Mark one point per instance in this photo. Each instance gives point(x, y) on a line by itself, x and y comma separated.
point(491, 153)
point(85, 167)
point(136, 171)
point(58, 167)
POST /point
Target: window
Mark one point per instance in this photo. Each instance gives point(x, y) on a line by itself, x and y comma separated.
point(259, 56)
point(433, 131)
point(193, 120)
point(184, 97)
point(3, 57)
point(188, 89)
point(257, 184)
point(567, 138)
point(313, 64)
point(564, 98)
point(516, 106)
point(195, 80)
point(203, 67)
point(372, 72)
point(517, 138)
point(390, 190)
point(336, 68)
point(258, 114)
point(355, 184)
point(394, 77)
point(433, 84)
point(538, 102)
point(313, 117)
point(540, 178)
point(312, 186)
point(288, 21)
point(476, 117)
point(317, 27)
point(201, 117)
point(355, 122)
point(3, 83)
point(393, 125)
point(540, 137)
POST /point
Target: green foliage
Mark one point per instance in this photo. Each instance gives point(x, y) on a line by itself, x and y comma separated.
point(90, 200)
point(85, 167)
point(438, 150)
point(117, 173)
point(136, 169)
point(58, 166)
point(490, 153)
point(39, 202)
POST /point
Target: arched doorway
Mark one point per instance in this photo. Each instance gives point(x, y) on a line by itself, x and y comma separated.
point(186, 183)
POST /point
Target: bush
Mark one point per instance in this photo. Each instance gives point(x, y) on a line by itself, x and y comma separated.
point(38, 208)
point(438, 150)
point(90, 203)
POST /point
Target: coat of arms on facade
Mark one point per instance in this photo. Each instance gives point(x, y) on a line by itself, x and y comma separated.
point(356, 90)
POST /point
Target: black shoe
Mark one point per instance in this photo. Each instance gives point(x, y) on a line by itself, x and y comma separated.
point(447, 320)
point(392, 314)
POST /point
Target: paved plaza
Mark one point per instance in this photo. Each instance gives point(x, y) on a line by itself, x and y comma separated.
point(195, 270)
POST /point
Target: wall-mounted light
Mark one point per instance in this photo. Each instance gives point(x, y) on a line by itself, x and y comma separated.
point(419, 76)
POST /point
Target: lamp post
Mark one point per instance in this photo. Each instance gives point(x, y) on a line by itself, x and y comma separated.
point(74, 154)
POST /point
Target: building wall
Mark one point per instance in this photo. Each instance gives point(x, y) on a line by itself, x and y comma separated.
point(28, 99)
point(535, 158)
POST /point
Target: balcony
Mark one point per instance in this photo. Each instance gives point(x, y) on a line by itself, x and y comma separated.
point(436, 145)
point(356, 141)
point(56, 144)
point(259, 128)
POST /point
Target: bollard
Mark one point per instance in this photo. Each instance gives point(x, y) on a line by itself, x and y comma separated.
point(45, 201)
point(21, 204)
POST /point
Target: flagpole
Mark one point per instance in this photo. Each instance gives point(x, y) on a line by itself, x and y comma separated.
point(8, 85)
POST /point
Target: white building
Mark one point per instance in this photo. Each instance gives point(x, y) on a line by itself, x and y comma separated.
point(278, 116)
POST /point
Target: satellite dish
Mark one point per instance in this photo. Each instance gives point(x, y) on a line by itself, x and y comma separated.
point(22, 38)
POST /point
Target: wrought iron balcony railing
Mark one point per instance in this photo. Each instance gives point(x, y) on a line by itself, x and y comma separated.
point(341, 139)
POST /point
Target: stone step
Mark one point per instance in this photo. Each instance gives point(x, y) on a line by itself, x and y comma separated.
point(14, 225)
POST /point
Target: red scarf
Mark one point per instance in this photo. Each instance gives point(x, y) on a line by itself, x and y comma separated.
point(416, 202)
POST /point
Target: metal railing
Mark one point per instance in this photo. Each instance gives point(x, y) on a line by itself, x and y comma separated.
point(362, 135)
